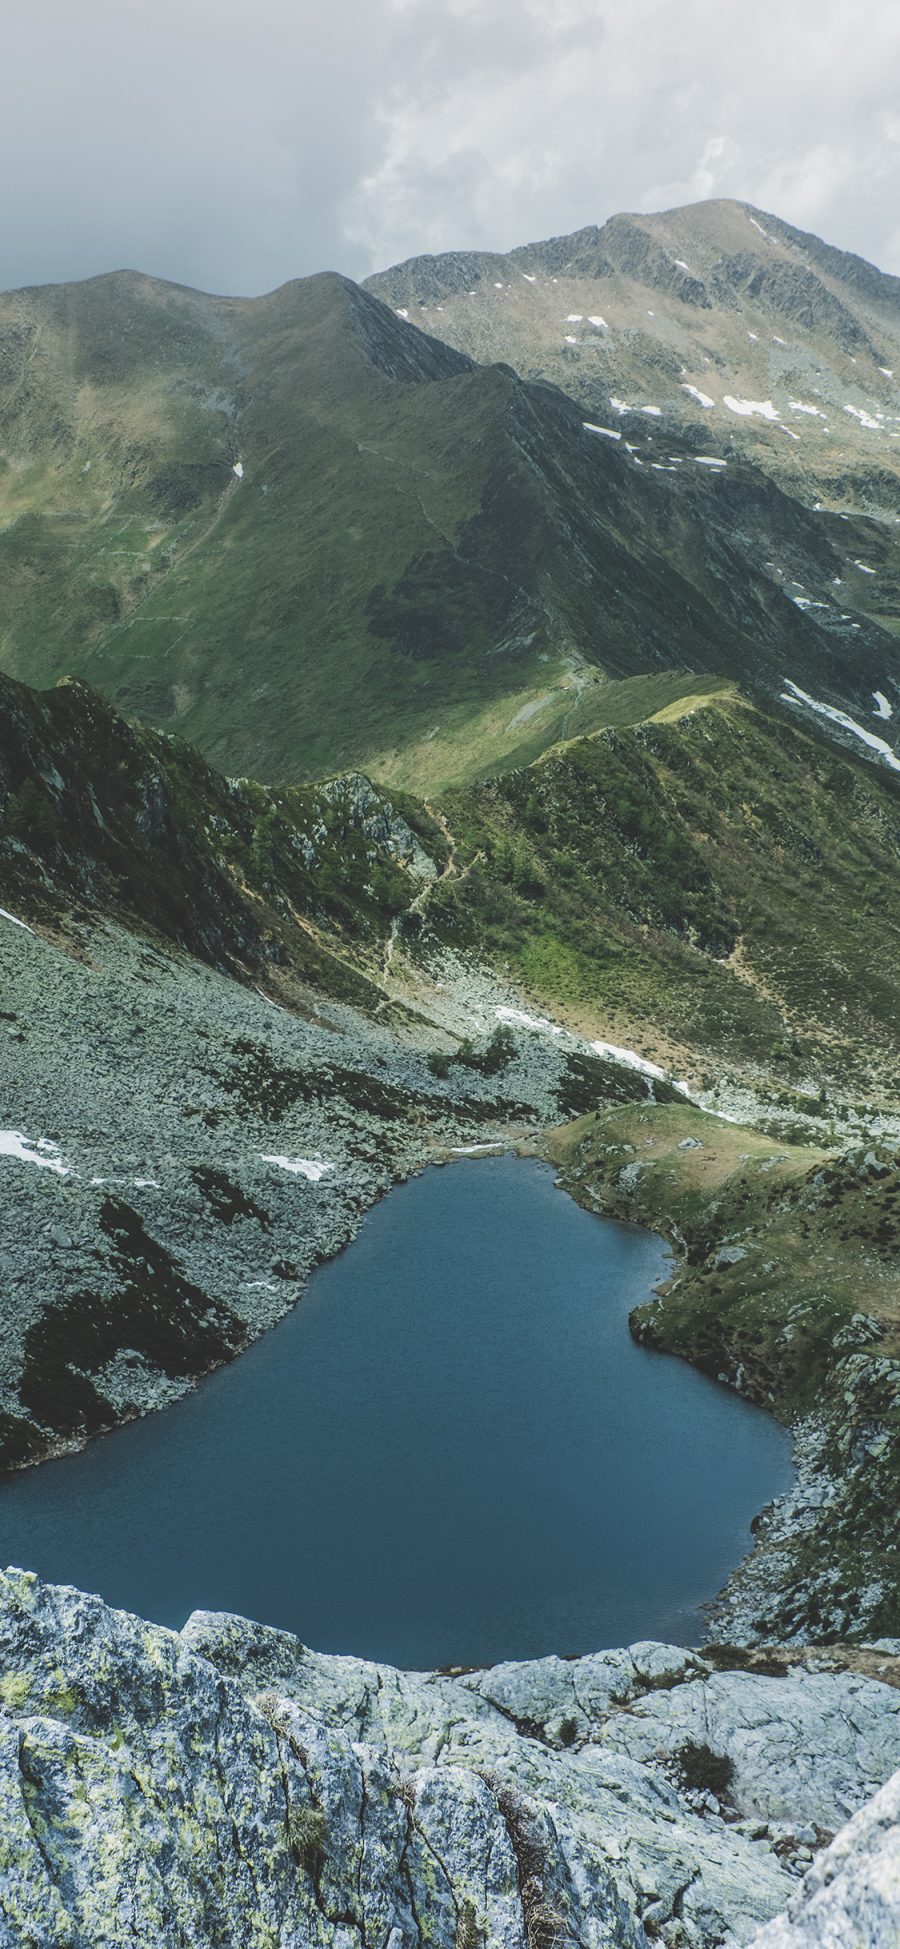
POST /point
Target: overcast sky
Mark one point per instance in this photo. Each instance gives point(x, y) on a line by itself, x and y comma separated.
point(232, 144)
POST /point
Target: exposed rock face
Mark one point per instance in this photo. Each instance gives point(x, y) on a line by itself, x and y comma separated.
point(851, 1895)
point(227, 1786)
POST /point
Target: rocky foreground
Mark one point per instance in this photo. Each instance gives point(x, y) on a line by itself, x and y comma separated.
point(227, 1786)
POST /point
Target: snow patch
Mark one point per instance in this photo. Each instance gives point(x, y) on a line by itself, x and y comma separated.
point(15, 921)
point(473, 1150)
point(528, 276)
point(794, 695)
point(400, 312)
point(628, 1058)
point(888, 371)
point(607, 431)
point(43, 1153)
point(800, 406)
point(865, 570)
point(655, 412)
point(600, 323)
point(619, 406)
point(238, 469)
point(268, 998)
point(570, 340)
point(751, 408)
point(882, 707)
point(708, 460)
point(703, 399)
point(865, 419)
point(762, 232)
point(575, 318)
point(301, 1167)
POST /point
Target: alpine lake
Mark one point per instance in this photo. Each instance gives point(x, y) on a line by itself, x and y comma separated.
point(451, 1452)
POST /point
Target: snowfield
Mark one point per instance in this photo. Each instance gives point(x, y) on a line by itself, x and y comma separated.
point(794, 695)
point(42, 1153)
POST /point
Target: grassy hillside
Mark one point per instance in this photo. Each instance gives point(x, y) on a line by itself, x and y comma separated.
point(712, 886)
point(713, 880)
point(423, 567)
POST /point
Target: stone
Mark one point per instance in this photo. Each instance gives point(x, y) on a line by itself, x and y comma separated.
point(850, 1896)
point(226, 1784)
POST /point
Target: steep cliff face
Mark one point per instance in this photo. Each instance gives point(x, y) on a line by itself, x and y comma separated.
point(228, 1786)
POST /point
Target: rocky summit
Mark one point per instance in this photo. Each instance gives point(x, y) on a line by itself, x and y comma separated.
point(226, 1785)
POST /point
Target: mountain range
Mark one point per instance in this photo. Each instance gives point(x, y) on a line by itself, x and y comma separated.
point(456, 715)
point(211, 508)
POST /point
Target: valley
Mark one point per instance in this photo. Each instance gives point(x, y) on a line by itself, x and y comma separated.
point(452, 723)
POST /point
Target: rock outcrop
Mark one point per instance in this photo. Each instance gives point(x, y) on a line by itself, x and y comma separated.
point(225, 1785)
point(851, 1894)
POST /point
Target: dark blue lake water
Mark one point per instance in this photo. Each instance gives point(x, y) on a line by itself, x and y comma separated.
point(451, 1452)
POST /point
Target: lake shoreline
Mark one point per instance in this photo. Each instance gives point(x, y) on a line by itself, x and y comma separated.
point(475, 1456)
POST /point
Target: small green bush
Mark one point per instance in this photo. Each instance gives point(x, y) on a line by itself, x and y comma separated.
point(307, 1834)
point(468, 1934)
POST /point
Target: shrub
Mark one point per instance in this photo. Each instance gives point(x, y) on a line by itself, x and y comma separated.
point(468, 1934)
point(704, 1771)
point(307, 1834)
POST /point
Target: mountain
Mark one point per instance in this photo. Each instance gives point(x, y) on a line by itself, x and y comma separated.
point(310, 537)
point(750, 336)
point(644, 925)
point(714, 333)
point(660, 884)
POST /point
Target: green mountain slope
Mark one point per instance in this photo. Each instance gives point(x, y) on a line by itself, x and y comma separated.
point(715, 887)
point(308, 537)
point(297, 886)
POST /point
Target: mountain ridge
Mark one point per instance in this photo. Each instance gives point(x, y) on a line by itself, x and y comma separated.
point(728, 281)
point(309, 537)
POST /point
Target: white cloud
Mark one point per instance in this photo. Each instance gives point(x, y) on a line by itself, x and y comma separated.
point(635, 108)
point(235, 145)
